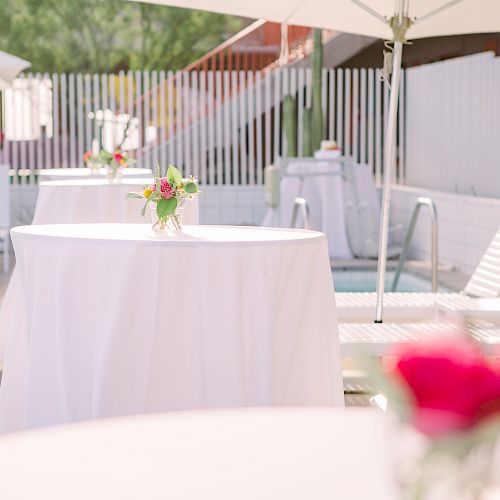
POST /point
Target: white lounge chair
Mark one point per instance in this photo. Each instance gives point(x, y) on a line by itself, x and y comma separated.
point(484, 283)
point(378, 339)
point(5, 215)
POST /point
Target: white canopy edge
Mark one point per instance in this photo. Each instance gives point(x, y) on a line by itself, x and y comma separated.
point(461, 17)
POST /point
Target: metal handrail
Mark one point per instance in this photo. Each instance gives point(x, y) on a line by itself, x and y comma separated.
point(300, 204)
point(434, 242)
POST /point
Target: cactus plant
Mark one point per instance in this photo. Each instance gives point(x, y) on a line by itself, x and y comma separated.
point(290, 120)
point(307, 146)
point(317, 109)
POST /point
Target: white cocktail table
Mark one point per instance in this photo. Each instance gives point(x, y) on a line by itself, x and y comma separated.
point(96, 200)
point(53, 174)
point(274, 454)
point(119, 322)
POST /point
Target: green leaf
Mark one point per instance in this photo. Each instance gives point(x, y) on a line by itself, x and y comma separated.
point(135, 195)
point(143, 211)
point(155, 196)
point(166, 207)
point(105, 156)
point(174, 176)
point(191, 187)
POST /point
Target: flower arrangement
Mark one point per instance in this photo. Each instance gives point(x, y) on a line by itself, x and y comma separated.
point(114, 162)
point(450, 393)
point(167, 197)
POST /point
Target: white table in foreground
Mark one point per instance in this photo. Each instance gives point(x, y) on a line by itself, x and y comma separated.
point(54, 174)
point(209, 455)
point(119, 322)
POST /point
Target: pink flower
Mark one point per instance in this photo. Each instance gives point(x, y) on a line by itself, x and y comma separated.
point(119, 158)
point(452, 385)
point(165, 189)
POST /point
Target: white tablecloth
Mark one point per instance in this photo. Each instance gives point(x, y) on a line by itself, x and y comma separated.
point(96, 200)
point(344, 207)
point(54, 174)
point(210, 455)
point(119, 322)
point(325, 198)
point(75, 202)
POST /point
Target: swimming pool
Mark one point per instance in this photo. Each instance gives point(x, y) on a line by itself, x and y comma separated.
point(365, 281)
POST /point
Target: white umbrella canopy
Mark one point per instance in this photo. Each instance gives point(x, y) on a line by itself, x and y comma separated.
point(394, 20)
point(455, 17)
point(10, 67)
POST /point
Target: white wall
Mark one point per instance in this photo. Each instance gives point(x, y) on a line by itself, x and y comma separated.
point(453, 124)
point(466, 225)
point(232, 205)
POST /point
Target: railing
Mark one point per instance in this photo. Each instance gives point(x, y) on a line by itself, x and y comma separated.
point(421, 202)
point(252, 49)
point(303, 49)
point(300, 206)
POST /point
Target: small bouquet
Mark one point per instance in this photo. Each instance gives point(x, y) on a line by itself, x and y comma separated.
point(167, 197)
point(450, 393)
point(114, 162)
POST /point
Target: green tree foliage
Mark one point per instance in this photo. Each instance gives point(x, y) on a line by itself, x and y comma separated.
point(108, 35)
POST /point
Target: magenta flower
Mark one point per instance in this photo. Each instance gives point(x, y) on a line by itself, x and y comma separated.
point(165, 189)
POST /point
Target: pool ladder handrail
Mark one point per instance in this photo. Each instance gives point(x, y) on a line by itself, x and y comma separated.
point(300, 204)
point(421, 201)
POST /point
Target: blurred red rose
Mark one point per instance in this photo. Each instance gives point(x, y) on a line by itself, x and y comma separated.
point(87, 156)
point(452, 384)
point(119, 158)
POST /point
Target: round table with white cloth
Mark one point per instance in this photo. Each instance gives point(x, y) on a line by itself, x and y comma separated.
point(96, 200)
point(270, 454)
point(122, 322)
point(324, 194)
point(54, 174)
point(343, 203)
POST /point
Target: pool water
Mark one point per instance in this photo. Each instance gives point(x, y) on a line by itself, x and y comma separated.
point(365, 281)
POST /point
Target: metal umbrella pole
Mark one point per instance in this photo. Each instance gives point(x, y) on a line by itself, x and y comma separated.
point(399, 23)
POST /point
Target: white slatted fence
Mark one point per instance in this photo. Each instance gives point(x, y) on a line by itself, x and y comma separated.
point(223, 127)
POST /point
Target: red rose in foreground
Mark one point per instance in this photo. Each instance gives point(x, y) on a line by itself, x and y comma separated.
point(451, 383)
point(87, 156)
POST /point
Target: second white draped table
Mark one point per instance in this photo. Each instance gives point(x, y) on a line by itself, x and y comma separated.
point(54, 174)
point(96, 200)
point(119, 322)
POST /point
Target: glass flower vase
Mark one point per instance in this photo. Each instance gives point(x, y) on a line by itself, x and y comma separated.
point(114, 174)
point(170, 224)
point(93, 167)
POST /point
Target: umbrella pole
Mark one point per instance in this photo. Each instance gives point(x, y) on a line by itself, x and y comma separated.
point(389, 163)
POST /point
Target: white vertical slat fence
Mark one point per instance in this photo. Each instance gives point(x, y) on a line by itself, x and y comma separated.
point(223, 127)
